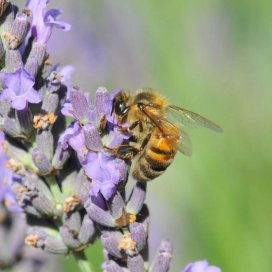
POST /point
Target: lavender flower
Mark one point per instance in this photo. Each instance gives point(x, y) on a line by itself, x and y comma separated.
point(43, 21)
point(201, 266)
point(105, 171)
point(19, 89)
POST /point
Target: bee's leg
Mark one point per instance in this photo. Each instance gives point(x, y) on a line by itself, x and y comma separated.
point(126, 152)
point(145, 141)
point(132, 126)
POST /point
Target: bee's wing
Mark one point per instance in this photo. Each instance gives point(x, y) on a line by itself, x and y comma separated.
point(189, 118)
point(170, 129)
point(174, 130)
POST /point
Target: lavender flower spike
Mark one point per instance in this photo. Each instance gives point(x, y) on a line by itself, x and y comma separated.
point(43, 21)
point(201, 266)
point(19, 89)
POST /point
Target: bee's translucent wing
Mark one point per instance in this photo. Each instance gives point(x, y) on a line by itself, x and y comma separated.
point(185, 145)
point(189, 118)
point(172, 130)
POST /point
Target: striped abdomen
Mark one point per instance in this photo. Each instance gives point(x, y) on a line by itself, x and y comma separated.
point(156, 157)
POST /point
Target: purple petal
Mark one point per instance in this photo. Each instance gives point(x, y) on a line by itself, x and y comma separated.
point(33, 96)
point(19, 103)
point(201, 266)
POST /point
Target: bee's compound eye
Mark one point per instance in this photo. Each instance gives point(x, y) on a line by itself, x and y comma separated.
point(120, 107)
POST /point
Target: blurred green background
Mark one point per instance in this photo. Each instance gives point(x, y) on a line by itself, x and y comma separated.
point(212, 57)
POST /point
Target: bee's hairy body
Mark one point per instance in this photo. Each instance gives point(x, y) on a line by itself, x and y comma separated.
point(156, 157)
point(158, 152)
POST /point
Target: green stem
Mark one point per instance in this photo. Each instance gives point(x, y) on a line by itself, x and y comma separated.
point(83, 263)
point(55, 189)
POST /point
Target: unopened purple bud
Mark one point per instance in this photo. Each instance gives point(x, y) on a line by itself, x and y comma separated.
point(112, 266)
point(41, 161)
point(87, 230)
point(99, 215)
point(69, 238)
point(111, 241)
point(36, 194)
point(135, 263)
point(37, 237)
point(117, 205)
point(80, 105)
point(55, 245)
point(45, 142)
point(36, 59)
point(60, 157)
point(137, 198)
point(138, 235)
point(92, 138)
point(43, 205)
point(19, 29)
point(24, 118)
point(72, 221)
point(13, 60)
point(50, 102)
point(102, 96)
point(10, 127)
point(161, 262)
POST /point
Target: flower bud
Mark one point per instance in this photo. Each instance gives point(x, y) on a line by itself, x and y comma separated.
point(161, 262)
point(99, 215)
point(69, 238)
point(24, 118)
point(19, 30)
point(39, 238)
point(110, 241)
point(137, 198)
point(117, 205)
point(72, 221)
point(102, 97)
point(135, 263)
point(50, 102)
point(45, 142)
point(87, 230)
point(80, 105)
point(138, 235)
point(13, 60)
point(36, 59)
point(17, 153)
point(41, 161)
point(10, 127)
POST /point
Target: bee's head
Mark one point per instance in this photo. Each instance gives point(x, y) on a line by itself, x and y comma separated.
point(119, 105)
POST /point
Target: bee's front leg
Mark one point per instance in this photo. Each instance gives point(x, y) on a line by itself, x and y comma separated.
point(132, 126)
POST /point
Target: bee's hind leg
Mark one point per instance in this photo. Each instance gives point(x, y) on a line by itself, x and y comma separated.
point(125, 152)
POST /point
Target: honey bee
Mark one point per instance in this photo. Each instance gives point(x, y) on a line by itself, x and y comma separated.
point(157, 131)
